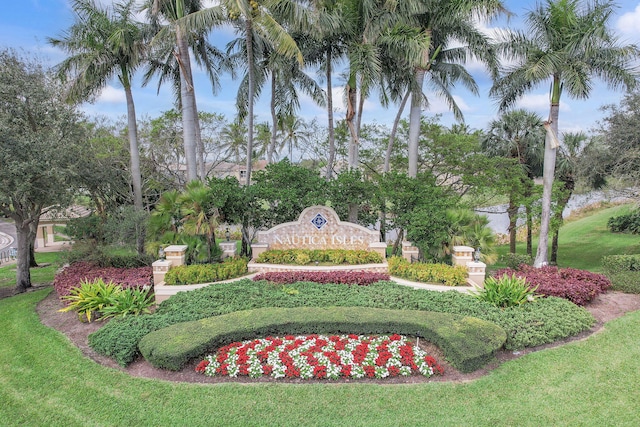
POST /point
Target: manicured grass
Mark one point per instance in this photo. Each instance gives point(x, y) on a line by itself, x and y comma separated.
point(46, 381)
point(39, 275)
point(584, 241)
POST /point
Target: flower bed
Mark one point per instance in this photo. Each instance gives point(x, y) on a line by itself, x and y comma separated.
point(362, 278)
point(73, 275)
point(320, 357)
point(578, 286)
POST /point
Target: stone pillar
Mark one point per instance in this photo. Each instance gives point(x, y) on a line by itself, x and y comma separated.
point(228, 249)
point(462, 255)
point(258, 248)
point(176, 254)
point(410, 253)
point(379, 247)
point(160, 268)
point(50, 235)
point(477, 271)
point(40, 243)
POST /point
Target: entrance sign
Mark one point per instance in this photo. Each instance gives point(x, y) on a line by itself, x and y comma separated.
point(319, 227)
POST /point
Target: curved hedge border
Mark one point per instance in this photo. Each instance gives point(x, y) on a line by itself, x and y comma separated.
point(467, 342)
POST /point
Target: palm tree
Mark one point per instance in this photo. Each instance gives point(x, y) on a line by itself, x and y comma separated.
point(234, 137)
point(440, 24)
point(372, 30)
point(178, 67)
point(323, 48)
point(567, 43)
point(518, 135)
point(104, 44)
point(573, 147)
point(200, 217)
point(286, 79)
point(294, 132)
point(257, 22)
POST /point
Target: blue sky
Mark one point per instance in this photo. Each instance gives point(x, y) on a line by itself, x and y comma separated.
point(26, 25)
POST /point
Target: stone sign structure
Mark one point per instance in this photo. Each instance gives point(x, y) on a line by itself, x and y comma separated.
point(319, 227)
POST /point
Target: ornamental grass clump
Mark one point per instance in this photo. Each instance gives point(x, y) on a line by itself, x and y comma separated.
point(321, 357)
point(95, 299)
point(506, 291)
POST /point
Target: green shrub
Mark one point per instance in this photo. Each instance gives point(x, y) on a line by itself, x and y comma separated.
point(528, 325)
point(627, 223)
point(513, 261)
point(506, 291)
point(620, 263)
point(131, 301)
point(307, 256)
point(428, 273)
point(206, 273)
point(99, 300)
point(467, 342)
point(107, 256)
point(624, 272)
point(90, 298)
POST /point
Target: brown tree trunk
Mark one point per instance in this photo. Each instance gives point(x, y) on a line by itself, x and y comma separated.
point(23, 274)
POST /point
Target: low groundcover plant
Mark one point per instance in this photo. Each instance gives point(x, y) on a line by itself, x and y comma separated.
point(319, 356)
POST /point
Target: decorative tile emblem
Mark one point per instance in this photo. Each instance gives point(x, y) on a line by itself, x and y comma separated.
point(319, 221)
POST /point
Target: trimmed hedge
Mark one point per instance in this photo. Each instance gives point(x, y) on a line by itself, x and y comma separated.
point(544, 321)
point(468, 343)
point(361, 278)
point(623, 271)
point(308, 256)
point(193, 274)
point(428, 273)
point(621, 263)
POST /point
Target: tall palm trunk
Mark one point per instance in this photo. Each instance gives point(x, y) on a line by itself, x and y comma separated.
point(331, 130)
point(274, 120)
point(414, 122)
point(394, 130)
point(351, 113)
point(512, 213)
point(134, 153)
point(249, 37)
point(569, 186)
point(189, 110)
point(548, 175)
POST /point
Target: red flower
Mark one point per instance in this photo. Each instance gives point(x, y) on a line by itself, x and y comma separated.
point(369, 371)
point(346, 370)
point(202, 366)
point(394, 371)
point(267, 369)
point(320, 371)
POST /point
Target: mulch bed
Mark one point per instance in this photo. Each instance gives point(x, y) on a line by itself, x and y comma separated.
point(605, 307)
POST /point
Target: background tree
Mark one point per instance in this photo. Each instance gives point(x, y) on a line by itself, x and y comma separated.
point(518, 135)
point(105, 43)
point(259, 23)
point(41, 151)
point(567, 43)
point(616, 151)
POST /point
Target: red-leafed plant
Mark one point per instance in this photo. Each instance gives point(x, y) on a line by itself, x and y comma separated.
point(578, 286)
point(73, 275)
point(341, 277)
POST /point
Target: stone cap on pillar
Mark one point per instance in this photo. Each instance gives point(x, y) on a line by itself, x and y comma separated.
point(462, 251)
point(175, 250)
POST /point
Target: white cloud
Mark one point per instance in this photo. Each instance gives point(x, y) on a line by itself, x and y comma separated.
point(629, 23)
point(112, 95)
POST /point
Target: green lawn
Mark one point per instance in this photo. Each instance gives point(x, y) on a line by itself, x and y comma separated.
point(46, 381)
point(584, 241)
point(39, 275)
